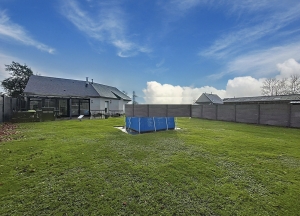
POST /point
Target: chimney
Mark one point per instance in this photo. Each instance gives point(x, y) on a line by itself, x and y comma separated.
point(92, 81)
point(87, 82)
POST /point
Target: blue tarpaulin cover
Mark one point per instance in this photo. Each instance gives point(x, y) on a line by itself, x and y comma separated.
point(148, 124)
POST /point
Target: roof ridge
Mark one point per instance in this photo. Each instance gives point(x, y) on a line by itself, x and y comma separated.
point(58, 78)
point(74, 80)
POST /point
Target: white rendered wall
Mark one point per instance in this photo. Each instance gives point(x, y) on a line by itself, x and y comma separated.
point(97, 105)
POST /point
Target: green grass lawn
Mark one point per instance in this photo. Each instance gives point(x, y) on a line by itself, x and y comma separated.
point(88, 167)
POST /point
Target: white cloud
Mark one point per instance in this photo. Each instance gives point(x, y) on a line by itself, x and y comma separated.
point(108, 26)
point(249, 6)
point(184, 5)
point(261, 63)
point(243, 87)
point(157, 93)
point(10, 30)
point(288, 68)
point(235, 41)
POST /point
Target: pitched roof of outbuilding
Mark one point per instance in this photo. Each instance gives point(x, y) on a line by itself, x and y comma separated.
point(59, 87)
point(209, 98)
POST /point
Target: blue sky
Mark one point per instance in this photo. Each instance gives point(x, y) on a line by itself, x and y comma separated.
point(167, 51)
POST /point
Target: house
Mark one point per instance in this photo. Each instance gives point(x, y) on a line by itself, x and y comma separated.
point(73, 97)
point(278, 99)
point(208, 99)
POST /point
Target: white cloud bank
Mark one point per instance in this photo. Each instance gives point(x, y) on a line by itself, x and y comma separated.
point(288, 68)
point(10, 30)
point(157, 93)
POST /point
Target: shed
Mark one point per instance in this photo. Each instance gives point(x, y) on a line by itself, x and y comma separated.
point(209, 99)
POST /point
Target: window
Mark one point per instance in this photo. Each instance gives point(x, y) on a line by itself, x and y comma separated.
point(84, 107)
point(49, 103)
point(75, 107)
point(35, 104)
point(63, 107)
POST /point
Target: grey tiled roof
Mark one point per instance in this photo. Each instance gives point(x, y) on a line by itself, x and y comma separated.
point(209, 98)
point(51, 86)
point(295, 97)
point(109, 92)
point(103, 91)
point(214, 98)
point(120, 94)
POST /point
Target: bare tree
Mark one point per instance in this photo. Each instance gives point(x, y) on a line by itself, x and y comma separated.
point(266, 87)
point(294, 85)
point(281, 87)
point(284, 86)
point(269, 87)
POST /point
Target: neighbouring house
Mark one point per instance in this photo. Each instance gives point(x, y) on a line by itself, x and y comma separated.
point(74, 97)
point(208, 99)
point(278, 99)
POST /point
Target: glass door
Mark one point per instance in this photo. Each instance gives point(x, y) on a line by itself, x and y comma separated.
point(63, 107)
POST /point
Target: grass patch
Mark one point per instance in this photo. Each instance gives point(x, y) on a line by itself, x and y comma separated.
point(207, 168)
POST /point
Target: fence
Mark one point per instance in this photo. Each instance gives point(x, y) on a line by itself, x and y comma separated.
point(7, 105)
point(286, 115)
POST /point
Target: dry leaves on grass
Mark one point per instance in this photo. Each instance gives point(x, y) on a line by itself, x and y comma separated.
point(7, 130)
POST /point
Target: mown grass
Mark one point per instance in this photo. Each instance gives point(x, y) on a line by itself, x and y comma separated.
point(206, 168)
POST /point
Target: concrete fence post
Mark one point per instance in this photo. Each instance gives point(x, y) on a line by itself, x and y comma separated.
point(167, 110)
point(2, 108)
point(132, 109)
point(234, 112)
point(70, 105)
point(258, 113)
point(290, 115)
